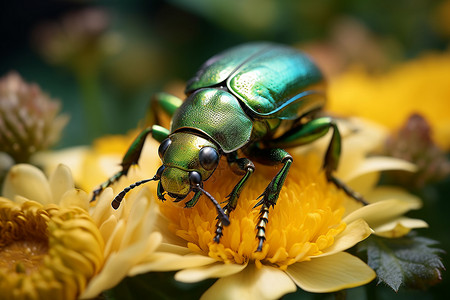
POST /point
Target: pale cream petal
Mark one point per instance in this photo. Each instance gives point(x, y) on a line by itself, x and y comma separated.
point(399, 227)
point(170, 262)
point(174, 249)
point(352, 234)
point(139, 222)
point(381, 212)
point(75, 197)
point(252, 283)
point(216, 270)
point(102, 209)
point(113, 241)
point(71, 157)
point(330, 273)
point(118, 265)
point(29, 182)
point(61, 181)
point(107, 228)
point(390, 192)
point(378, 164)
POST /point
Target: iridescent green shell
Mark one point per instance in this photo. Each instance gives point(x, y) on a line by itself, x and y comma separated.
point(255, 81)
point(272, 81)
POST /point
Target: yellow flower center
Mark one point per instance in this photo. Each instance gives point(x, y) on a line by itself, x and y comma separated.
point(303, 223)
point(46, 252)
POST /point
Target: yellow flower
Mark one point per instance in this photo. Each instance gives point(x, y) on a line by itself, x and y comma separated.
point(93, 165)
point(129, 235)
point(420, 86)
point(308, 231)
point(76, 251)
point(50, 247)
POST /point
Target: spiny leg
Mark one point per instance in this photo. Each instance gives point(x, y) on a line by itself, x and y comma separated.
point(161, 101)
point(311, 131)
point(270, 195)
point(240, 166)
point(133, 154)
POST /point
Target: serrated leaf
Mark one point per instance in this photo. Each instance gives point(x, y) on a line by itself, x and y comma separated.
point(408, 261)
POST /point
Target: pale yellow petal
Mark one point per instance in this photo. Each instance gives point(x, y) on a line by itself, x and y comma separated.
point(211, 271)
point(381, 212)
point(251, 283)
point(60, 182)
point(75, 197)
point(119, 264)
point(378, 164)
point(331, 273)
point(174, 249)
point(29, 182)
point(102, 209)
point(354, 233)
point(71, 157)
point(170, 262)
point(390, 192)
point(365, 175)
point(399, 227)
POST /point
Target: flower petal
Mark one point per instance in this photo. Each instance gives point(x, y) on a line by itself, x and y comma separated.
point(252, 283)
point(330, 273)
point(118, 265)
point(169, 262)
point(75, 197)
point(61, 181)
point(379, 213)
point(378, 164)
point(353, 234)
point(399, 227)
point(211, 271)
point(29, 182)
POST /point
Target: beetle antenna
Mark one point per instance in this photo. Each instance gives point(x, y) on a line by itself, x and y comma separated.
point(223, 216)
point(118, 199)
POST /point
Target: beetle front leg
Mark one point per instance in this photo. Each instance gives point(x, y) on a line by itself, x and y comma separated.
point(240, 166)
point(133, 154)
point(270, 195)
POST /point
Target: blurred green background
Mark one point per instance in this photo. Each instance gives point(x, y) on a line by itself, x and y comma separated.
point(104, 59)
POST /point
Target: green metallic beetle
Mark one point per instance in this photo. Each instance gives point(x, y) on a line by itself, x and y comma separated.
point(255, 100)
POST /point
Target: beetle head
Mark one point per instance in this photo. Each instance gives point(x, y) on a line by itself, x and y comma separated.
point(188, 160)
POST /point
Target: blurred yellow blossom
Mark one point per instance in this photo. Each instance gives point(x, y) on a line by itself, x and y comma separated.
point(420, 86)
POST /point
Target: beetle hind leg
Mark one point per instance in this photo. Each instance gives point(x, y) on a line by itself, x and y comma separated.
point(311, 131)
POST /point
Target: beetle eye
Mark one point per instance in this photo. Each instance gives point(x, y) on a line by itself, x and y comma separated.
point(163, 147)
point(208, 157)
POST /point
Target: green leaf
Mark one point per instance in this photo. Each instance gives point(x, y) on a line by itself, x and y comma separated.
point(407, 261)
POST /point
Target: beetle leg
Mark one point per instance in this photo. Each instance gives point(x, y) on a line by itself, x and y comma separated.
point(311, 131)
point(160, 192)
point(133, 154)
point(194, 200)
point(270, 195)
point(164, 102)
point(240, 166)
